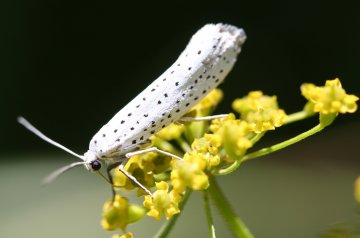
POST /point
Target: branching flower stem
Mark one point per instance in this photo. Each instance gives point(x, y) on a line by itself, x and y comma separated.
point(325, 120)
point(235, 224)
point(209, 217)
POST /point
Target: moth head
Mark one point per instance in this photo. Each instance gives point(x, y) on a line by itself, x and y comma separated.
point(92, 163)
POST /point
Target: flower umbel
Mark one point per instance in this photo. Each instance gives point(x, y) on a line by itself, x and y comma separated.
point(210, 148)
point(260, 111)
point(163, 202)
point(331, 98)
point(189, 173)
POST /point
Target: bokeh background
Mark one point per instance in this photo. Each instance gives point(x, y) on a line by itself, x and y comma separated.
point(68, 66)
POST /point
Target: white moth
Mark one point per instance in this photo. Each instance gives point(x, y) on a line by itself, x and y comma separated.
point(202, 66)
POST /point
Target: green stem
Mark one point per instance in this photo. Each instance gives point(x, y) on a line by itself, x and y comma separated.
point(188, 134)
point(168, 225)
point(209, 217)
point(297, 116)
point(283, 144)
point(257, 137)
point(238, 228)
point(183, 144)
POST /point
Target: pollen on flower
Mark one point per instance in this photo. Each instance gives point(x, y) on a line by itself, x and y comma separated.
point(266, 119)
point(163, 202)
point(260, 111)
point(208, 148)
point(331, 98)
point(216, 124)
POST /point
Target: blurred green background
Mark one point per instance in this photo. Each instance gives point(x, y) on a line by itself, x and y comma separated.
point(69, 66)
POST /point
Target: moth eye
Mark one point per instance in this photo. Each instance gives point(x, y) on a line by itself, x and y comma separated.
point(95, 165)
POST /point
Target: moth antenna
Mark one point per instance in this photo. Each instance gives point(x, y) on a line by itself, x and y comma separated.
point(31, 128)
point(51, 177)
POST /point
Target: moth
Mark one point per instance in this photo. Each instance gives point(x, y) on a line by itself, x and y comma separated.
point(201, 67)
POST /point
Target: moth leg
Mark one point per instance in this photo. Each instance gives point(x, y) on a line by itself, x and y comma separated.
point(138, 152)
point(108, 170)
point(207, 118)
point(145, 143)
point(178, 123)
point(132, 178)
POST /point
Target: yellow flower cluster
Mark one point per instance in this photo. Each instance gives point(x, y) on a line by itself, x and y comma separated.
point(204, 108)
point(135, 166)
point(189, 173)
point(118, 213)
point(207, 148)
point(234, 135)
point(260, 111)
point(331, 98)
point(170, 132)
point(144, 167)
point(210, 101)
point(163, 202)
point(229, 140)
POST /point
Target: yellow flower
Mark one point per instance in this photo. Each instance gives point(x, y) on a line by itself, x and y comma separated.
point(253, 102)
point(216, 124)
point(236, 141)
point(235, 135)
point(171, 132)
point(209, 101)
point(118, 213)
point(208, 148)
point(331, 98)
point(189, 172)
point(127, 235)
point(266, 119)
point(260, 111)
point(135, 167)
point(204, 108)
point(163, 202)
